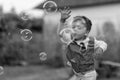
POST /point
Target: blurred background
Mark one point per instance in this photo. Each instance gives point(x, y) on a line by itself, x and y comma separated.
point(22, 60)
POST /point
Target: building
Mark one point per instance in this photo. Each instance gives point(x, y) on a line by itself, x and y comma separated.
point(97, 10)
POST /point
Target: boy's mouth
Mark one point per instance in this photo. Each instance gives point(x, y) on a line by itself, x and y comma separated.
point(77, 36)
point(75, 33)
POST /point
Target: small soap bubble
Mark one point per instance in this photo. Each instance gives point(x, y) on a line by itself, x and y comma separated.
point(26, 34)
point(50, 6)
point(24, 16)
point(43, 56)
point(1, 70)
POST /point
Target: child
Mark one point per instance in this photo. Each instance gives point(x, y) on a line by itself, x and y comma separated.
point(81, 48)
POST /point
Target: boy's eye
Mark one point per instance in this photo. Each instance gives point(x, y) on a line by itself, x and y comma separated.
point(79, 27)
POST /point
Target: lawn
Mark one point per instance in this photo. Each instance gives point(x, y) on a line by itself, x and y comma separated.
point(33, 73)
point(36, 73)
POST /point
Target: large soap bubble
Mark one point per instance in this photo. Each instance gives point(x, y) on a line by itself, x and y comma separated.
point(50, 6)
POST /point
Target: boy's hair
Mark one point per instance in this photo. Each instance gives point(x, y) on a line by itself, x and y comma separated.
point(88, 22)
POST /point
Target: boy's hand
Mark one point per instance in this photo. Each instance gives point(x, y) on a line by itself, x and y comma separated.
point(98, 50)
point(65, 14)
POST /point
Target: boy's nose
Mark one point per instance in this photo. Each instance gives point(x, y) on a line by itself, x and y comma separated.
point(75, 29)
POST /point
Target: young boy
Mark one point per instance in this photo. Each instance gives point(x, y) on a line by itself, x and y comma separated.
point(81, 48)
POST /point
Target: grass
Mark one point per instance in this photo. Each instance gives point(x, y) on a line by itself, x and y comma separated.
point(33, 73)
point(37, 73)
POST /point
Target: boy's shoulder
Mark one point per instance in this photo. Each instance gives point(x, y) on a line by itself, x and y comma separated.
point(91, 39)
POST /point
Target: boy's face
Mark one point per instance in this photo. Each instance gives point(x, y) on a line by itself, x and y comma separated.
point(79, 28)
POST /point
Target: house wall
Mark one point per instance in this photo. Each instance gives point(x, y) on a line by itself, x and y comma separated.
point(97, 14)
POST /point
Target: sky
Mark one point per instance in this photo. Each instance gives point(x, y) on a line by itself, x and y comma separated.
point(20, 5)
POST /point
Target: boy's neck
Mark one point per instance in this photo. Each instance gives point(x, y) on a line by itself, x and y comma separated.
point(80, 38)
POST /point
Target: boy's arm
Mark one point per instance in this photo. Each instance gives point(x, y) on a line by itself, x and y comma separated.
point(100, 46)
point(61, 26)
point(65, 14)
point(64, 33)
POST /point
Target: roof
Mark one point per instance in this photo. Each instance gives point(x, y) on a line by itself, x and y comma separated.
point(80, 3)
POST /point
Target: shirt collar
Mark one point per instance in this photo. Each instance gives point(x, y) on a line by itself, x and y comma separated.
point(82, 38)
point(84, 41)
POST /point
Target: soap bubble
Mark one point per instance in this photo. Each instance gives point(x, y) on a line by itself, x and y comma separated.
point(50, 6)
point(24, 16)
point(26, 35)
point(1, 70)
point(43, 56)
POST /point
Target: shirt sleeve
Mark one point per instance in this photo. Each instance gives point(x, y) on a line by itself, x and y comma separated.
point(68, 63)
point(101, 44)
point(66, 35)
